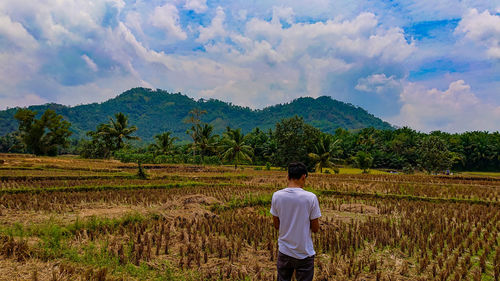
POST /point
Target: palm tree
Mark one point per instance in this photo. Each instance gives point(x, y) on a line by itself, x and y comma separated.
point(234, 147)
point(164, 143)
point(206, 142)
point(325, 150)
point(194, 131)
point(119, 130)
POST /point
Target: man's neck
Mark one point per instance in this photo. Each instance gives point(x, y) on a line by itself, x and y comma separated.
point(293, 184)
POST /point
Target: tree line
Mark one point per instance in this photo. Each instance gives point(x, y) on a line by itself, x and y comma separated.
point(291, 139)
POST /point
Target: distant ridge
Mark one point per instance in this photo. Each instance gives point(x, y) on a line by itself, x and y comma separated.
point(156, 111)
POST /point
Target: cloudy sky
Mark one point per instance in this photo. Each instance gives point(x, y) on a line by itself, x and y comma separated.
point(427, 64)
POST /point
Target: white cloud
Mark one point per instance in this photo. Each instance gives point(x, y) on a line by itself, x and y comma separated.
point(455, 109)
point(359, 37)
point(242, 15)
point(199, 6)
point(282, 13)
point(254, 53)
point(21, 100)
point(483, 29)
point(134, 21)
point(215, 29)
point(16, 33)
point(61, 22)
point(376, 83)
point(90, 63)
point(167, 18)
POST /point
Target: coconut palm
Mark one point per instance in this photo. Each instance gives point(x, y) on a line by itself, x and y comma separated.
point(234, 148)
point(325, 150)
point(164, 143)
point(118, 130)
point(206, 141)
point(194, 132)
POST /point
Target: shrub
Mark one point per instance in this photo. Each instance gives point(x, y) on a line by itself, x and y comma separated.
point(408, 169)
point(268, 166)
point(141, 173)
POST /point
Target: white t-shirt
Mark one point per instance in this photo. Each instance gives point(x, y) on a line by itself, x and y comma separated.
point(295, 208)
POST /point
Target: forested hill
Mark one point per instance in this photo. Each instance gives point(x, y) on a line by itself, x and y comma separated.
point(156, 111)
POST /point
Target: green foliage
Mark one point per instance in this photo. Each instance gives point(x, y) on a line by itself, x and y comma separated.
point(263, 146)
point(408, 169)
point(141, 173)
point(281, 136)
point(108, 138)
point(234, 148)
point(433, 155)
point(164, 144)
point(156, 111)
point(130, 156)
point(295, 139)
point(206, 142)
point(12, 142)
point(324, 151)
point(363, 160)
point(43, 136)
point(268, 166)
point(118, 130)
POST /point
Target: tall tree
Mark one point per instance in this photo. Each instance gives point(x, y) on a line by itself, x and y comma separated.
point(99, 145)
point(324, 152)
point(363, 160)
point(45, 135)
point(12, 142)
point(164, 143)
point(294, 140)
point(259, 141)
point(194, 119)
point(206, 141)
point(433, 154)
point(234, 147)
point(119, 130)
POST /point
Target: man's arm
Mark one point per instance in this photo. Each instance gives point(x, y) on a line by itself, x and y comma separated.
point(276, 221)
point(314, 225)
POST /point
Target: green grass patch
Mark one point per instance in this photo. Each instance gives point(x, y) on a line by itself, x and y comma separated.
point(487, 174)
point(54, 229)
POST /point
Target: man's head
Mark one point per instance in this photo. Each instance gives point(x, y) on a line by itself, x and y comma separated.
point(297, 173)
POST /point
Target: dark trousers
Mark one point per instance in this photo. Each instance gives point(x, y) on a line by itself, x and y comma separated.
point(304, 268)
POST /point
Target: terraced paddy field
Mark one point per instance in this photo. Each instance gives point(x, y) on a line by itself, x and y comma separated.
point(66, 218)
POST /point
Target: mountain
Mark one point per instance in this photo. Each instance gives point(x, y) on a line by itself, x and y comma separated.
point(156, 111)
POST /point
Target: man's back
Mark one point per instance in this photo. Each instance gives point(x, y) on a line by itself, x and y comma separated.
point(295, 209)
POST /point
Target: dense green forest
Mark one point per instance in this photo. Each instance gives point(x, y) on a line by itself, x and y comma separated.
point(291, 139)
point(157, 111)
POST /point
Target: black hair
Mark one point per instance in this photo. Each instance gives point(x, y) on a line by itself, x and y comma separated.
point(296, 170)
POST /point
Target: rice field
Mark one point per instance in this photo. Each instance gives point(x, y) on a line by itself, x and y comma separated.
point(66, 218)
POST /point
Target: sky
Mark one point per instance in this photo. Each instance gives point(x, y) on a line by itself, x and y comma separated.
point(429, 65)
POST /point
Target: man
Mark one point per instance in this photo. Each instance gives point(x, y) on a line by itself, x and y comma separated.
point(295, 214)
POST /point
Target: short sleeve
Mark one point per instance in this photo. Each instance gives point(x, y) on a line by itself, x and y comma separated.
point(315, 211)
point(274, 210)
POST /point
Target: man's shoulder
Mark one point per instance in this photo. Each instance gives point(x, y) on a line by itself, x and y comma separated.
point(304, 192)
point(309, 194)
point(298, 190)
point(278, 192)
